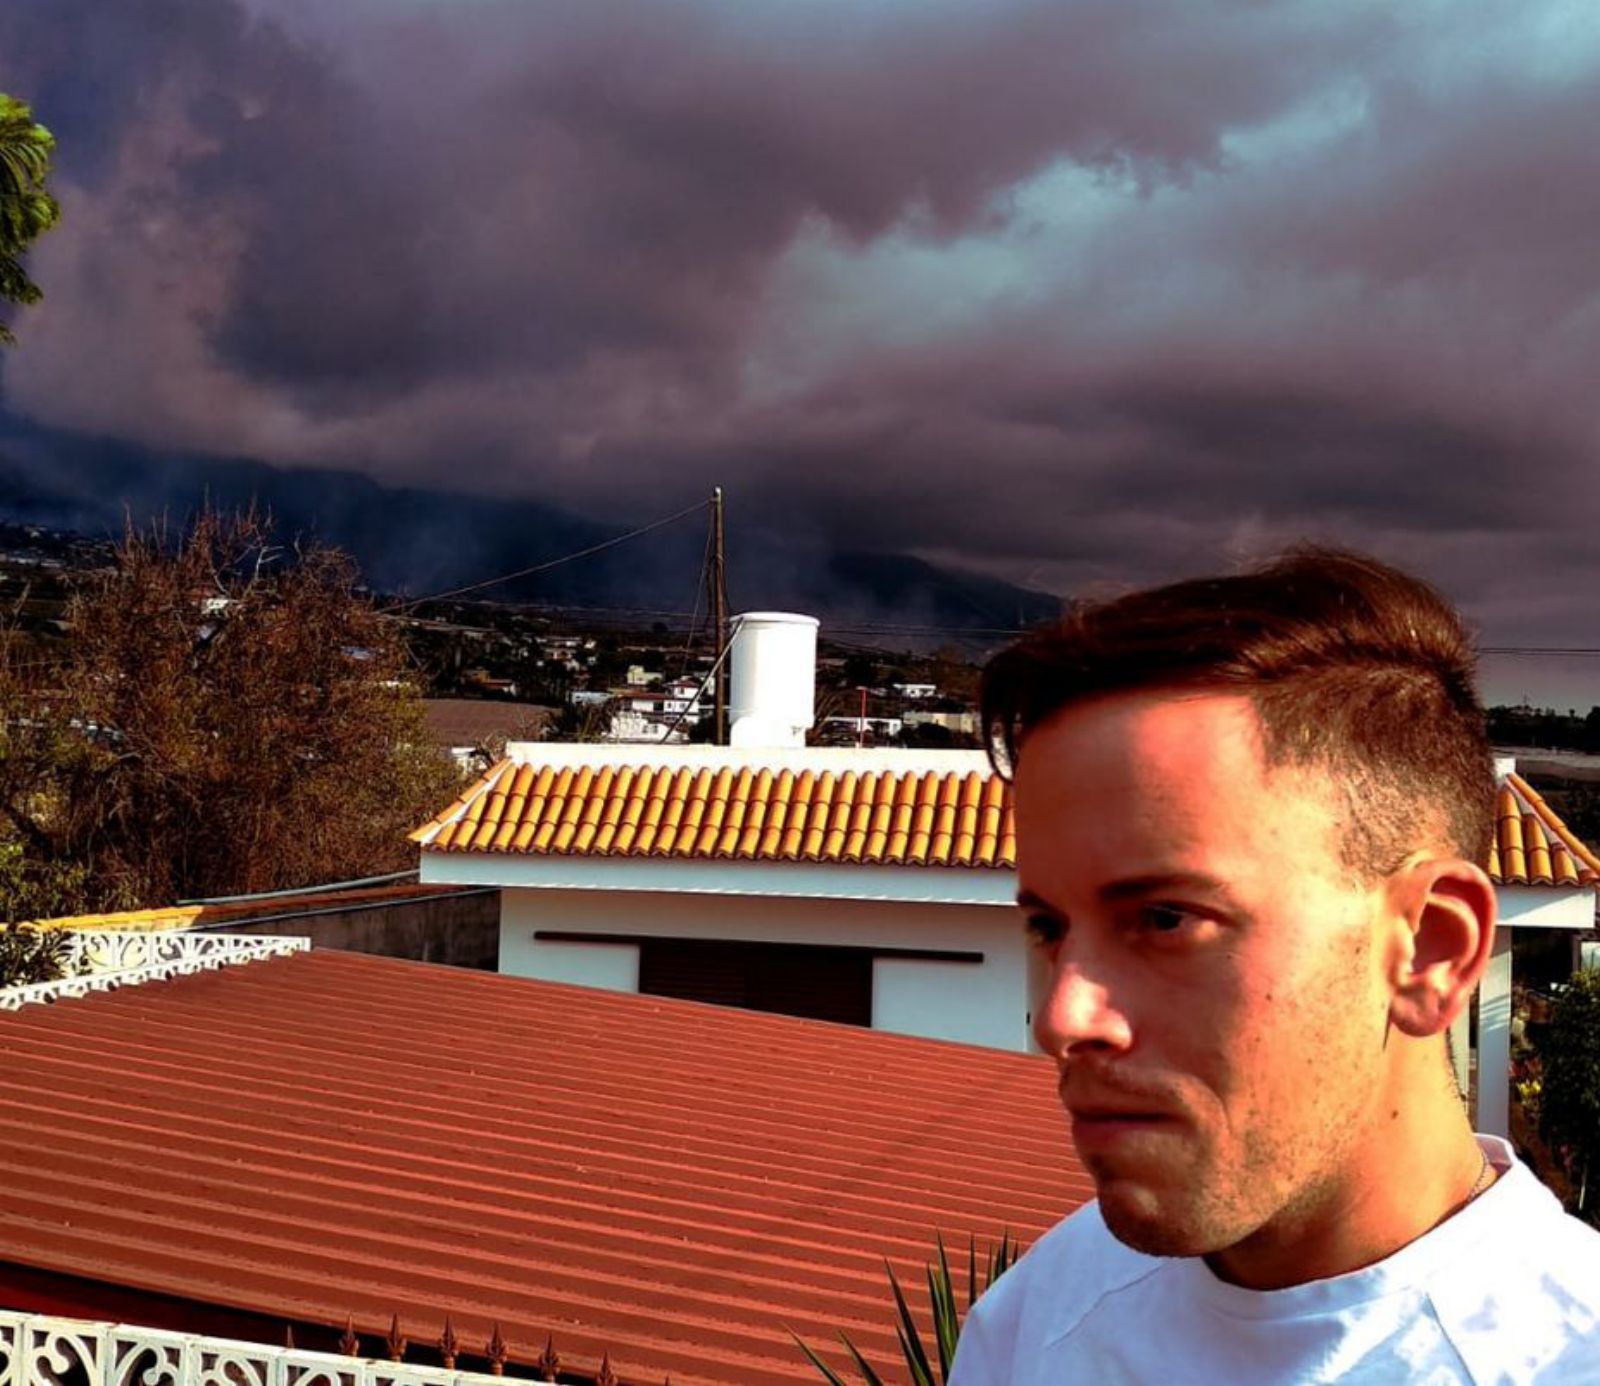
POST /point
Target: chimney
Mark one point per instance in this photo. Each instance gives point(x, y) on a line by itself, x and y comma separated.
point(773, 679)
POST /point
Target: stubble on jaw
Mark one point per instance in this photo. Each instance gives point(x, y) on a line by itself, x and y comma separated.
point(1277, 1166)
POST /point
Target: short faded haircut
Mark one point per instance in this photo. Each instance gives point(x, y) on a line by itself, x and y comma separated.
point(1353, 666)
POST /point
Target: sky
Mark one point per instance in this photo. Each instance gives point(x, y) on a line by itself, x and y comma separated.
point(1079, 293)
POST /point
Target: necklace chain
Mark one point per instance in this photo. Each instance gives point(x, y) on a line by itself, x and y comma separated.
point(1481, 1182)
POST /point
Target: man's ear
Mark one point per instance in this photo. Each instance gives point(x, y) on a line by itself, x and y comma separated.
point(1449, 909)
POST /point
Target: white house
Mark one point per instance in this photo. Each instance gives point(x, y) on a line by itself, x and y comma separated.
point(871, 887)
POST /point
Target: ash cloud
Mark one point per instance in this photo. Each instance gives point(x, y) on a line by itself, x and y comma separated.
point(1072, 294)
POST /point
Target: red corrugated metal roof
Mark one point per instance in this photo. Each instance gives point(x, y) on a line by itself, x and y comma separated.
point(676, 1184)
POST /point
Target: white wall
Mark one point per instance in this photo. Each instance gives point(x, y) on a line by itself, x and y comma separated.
point(976, 1003)
point(1546, 907)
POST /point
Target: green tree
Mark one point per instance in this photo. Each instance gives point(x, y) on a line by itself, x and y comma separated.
point(1569, 1113)
point(27, 210)
point(228, 716)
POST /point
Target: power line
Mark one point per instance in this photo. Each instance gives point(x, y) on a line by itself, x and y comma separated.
point(1538, 651)
point(551, 563)
point(830, 628)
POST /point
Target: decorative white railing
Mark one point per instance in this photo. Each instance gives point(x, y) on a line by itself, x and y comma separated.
point(107, 960)
point(36, 1350)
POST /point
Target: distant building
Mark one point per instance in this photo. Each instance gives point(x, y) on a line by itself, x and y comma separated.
point(963, 723)
point(475, 731)
point(485, 682)
point(880, 728)
point(640, 728)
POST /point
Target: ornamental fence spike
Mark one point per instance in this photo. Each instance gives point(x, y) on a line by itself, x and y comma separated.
point(549, 1363)
point(395, 1342)
point(288, 1336)
point(496, 1352)
point(350, 1344)
point(606, 1376)
point(449, 1345)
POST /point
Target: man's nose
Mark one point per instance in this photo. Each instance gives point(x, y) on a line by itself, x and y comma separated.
point(1078, 1011)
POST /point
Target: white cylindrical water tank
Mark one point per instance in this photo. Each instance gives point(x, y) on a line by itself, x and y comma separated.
point(772, 679)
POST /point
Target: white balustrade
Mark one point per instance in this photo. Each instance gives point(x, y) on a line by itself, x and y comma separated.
point(39, 1350)
point(103, 961)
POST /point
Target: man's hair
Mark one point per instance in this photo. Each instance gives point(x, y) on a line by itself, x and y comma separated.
point(1353, 667)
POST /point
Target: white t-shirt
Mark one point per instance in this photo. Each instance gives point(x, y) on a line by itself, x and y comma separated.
point(1505, 1292)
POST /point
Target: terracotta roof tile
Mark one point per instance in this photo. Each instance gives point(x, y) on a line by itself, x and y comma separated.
point(1532, 846)
point(674, 1184)
point(733, 812)
point(871, 817)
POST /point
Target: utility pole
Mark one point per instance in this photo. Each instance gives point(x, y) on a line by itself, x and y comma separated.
point(718, 577)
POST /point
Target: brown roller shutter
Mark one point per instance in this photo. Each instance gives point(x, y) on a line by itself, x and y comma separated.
point(694, 970)
point(788, 979)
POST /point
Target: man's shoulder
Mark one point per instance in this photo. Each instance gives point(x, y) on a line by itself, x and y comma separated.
point(1051, 1289)
point(1532, 1229)
point(1538, 1273)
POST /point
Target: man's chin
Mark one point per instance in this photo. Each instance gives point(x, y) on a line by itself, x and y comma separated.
point(1140, 1217)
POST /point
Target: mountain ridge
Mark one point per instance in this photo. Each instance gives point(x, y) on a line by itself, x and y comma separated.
point(413, 541)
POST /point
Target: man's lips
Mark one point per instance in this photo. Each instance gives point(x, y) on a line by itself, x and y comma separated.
point(1097, 1128)
point(1085, 1112)
point(1106, 1118)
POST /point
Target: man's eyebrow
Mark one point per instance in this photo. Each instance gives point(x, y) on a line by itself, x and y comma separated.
point(1027, 900)
point(1137, 888)
point(1155, 882)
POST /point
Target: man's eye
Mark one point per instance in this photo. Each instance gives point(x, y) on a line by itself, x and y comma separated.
point(1165, 919)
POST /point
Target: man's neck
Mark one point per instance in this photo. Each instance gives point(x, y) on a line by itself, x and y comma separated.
point(1417, 1167)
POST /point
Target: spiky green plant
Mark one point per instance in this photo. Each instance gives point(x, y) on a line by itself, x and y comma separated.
point(947, 1316)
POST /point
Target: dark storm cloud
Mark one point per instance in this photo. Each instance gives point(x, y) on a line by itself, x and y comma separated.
point(623, 183)
point(1072, 292)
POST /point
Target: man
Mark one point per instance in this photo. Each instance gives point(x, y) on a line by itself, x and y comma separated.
point(1252, 817)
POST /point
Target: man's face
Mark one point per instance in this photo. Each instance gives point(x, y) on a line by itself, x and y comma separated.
point(1217, 1005)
